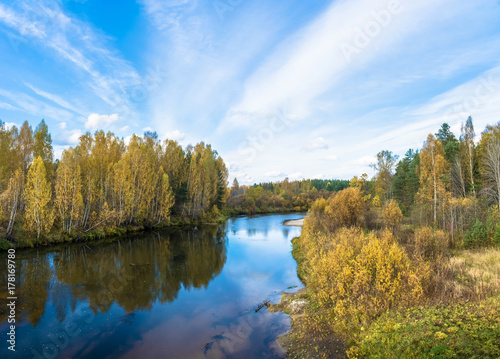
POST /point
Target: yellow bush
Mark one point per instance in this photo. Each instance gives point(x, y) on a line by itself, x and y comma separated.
point(429, 242)
point(345, 209)
point(392, 214)
point(360, 275)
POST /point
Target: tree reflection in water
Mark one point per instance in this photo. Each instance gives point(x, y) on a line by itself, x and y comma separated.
point(132, 273)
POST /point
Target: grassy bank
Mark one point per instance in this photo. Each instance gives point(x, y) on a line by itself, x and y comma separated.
point(55, 238)
point(397, 292)
point(460, 320)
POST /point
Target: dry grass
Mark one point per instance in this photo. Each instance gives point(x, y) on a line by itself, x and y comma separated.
point(472, 274)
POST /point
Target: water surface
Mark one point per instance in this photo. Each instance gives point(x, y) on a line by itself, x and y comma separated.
point(177, 294)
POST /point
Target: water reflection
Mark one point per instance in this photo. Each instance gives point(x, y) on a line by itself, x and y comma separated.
point(179, 294)
point(133, 273)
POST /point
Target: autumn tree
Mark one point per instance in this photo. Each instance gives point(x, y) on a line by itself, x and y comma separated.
point(8, 165)
point(490, 166)
point(68, 187)
point(38, 217)
point(384, 167)
point(345, 209)
point(24, 148)
point(166, 199)
point(42, 147)
point(433, 167)
point(204, 180)
point(11, 198)
point(392, 214)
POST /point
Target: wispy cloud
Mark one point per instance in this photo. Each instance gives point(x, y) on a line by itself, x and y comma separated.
point(45, 24)
point(33, 106)
point(56, 99)
point(96, 121)
point(317, 144)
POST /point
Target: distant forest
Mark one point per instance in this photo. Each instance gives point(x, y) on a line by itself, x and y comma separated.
point(281, 196)
point(103, 185)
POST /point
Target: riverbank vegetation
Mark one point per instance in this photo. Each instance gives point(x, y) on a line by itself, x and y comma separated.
point(103, 186)
point(281, 196)
point(407, 266)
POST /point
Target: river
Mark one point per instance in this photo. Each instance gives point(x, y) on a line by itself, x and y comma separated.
point(181, 293)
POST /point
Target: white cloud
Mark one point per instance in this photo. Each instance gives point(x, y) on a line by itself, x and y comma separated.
point(275, 174)
point(364, 161)
point(175, 135)
point(127, 139)
point(296, 175)
point(58, 150)
point(74, 137)
point(9, 125)
point(62, 125)
point(98, 122)
point(124, 128)
point(317, 144)
point(147, 129)
point(332, 157)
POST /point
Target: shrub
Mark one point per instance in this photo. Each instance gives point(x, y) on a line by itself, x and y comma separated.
point(358, 275)
point(429, 242)
point(392, 214)
point(496, 236)
point(345, 209)
point(476, 236)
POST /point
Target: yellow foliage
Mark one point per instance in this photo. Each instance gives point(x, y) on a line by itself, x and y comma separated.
point(376, 201)
point(68, 187)
point(430, 242)
point(345, 209)
point(37, 194)
point(360, 275)
point(392, 214)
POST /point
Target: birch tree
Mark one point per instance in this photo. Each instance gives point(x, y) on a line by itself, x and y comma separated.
point(10, 199)
point(433, 167)
point(68, 187)
point(38, 216)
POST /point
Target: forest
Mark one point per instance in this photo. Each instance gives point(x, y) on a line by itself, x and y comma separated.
point(281, 196)
point(103, 186)
point(408, 264)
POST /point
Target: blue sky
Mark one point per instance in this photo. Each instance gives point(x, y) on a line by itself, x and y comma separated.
point(305, 89)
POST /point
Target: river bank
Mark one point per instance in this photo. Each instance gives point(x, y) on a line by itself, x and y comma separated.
point(304, 340)
point(111, 234)
point(294, 222)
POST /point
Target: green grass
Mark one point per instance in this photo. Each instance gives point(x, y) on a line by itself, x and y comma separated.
point(460, 331)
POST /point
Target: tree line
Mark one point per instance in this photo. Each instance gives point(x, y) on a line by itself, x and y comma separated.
point(103, 184)
point(387, 254)
point(280, 196)
point(450, 183)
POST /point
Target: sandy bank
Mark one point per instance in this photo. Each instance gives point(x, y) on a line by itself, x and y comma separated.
point(294, 222)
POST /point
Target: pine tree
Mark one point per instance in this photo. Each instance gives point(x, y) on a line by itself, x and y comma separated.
point(467, 154)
